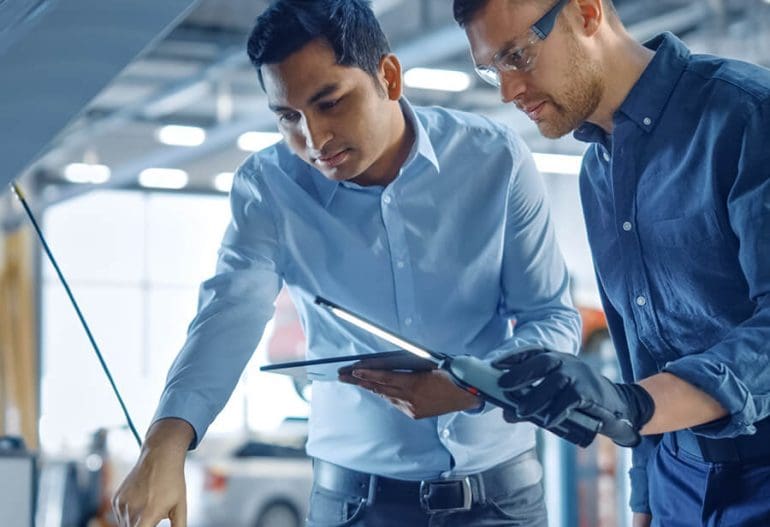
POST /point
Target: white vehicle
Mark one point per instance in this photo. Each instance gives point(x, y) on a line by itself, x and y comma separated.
point(254, 483)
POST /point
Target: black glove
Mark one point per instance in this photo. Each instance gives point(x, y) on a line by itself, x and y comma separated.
point(566, 384)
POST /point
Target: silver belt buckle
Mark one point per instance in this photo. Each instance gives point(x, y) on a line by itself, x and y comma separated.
point(465, 485)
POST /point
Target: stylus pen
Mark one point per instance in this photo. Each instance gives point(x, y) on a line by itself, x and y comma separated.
point(480, 378)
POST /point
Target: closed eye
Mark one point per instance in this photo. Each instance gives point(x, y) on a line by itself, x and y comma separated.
point(289, 117)
point(328, 105)
point(513, 58)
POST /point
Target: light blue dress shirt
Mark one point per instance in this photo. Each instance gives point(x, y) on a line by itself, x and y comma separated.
point(449, 254)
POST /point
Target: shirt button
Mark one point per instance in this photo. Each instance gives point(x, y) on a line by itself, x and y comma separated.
point(606, 157)
point(386, 199)
point(647, 121)
point(400, 264)
point(408, 321)
point(627, 226)
point(445, 433)
point(641, 301)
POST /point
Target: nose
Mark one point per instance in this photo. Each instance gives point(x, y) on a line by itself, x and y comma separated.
point(512, 85)
point(316, 132)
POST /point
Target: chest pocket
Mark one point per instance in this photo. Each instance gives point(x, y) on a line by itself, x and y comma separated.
point(693, 271)
point(692, 248)
point(700, 230)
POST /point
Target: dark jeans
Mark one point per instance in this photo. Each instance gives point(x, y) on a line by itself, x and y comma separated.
point(686, 491)
point(520, 507)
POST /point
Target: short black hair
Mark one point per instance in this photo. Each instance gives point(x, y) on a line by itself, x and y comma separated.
point(466, 10)
point(348, 26)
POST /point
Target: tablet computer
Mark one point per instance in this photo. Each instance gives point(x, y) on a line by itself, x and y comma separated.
point(328, 368)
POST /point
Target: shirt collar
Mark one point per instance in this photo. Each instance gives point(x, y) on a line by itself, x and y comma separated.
point(422, 147)
point(647, 99)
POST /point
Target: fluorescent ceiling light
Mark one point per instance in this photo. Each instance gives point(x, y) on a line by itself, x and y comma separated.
point(256, 141)
point(223, 182)
point(558, 164)
point(181, 135)
point(171, 178)
point(87, 173)
point(443, 80)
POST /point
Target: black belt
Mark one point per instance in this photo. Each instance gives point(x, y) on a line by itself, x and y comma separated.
point(451, 494)
point(742, 449)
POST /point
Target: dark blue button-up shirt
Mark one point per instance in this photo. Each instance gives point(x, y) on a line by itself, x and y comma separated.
point(677, 204)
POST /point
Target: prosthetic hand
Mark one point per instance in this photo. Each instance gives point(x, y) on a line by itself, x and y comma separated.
point(552, 384)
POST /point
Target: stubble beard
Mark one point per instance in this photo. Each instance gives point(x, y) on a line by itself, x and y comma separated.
point(580, 99)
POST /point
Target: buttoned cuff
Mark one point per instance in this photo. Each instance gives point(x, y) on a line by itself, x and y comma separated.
point(189, 407)
point(720, 382)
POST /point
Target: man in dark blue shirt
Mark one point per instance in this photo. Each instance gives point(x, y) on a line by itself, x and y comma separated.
point(675, 188)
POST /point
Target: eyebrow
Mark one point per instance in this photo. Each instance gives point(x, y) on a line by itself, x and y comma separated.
point(323, 92)
point(320, 94)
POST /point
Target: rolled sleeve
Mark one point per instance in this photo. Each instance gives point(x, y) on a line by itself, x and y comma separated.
point(716, 378)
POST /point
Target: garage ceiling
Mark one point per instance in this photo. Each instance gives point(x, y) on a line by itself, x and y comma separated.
point(199, 75)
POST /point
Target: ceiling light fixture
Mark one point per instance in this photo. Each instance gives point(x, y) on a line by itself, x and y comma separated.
point(176, 135)
point(88, 173)
point(433, 79)
point(223, 181)
point(167, 178)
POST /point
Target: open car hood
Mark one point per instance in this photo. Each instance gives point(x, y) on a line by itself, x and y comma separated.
point(57, 55)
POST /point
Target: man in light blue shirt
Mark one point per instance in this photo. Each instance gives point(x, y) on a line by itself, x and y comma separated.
point(433, 223)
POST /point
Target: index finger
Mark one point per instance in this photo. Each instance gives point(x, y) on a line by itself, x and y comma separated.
point(178, 516)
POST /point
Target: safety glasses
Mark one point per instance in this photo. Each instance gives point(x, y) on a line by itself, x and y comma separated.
point(522, 57)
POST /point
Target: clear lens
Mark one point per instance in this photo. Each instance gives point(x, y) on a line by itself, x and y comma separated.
point(489, 75)
point(517, 58)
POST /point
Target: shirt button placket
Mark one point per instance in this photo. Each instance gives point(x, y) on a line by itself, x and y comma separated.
point(400, 255)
